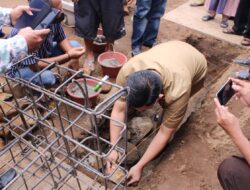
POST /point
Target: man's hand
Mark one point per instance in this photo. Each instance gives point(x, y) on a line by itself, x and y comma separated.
point(18, 11)
point(112, 158)
point(76, 53)
point(74, 64)
point(226, 119)
point(242, 90)
point(134, 175)
point(33, 37)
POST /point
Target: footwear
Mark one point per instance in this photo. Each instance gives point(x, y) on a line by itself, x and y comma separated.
point(245, 42)
point(90, 63)
point(243, 74)
point(231, 31)
point(7, 177)
point(224, 24)
point(196, 4)
point(242, 61)
point(136, 51)
point(207, 17)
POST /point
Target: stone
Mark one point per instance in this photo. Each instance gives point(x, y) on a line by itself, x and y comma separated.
point(105, 87)
point(117, 176)
point(2, 143)
point(139, 128)
point(7, 109)
point(5, 96)
point(18, 125)
point(132, 152)
point(4, 131)
point(19, 91)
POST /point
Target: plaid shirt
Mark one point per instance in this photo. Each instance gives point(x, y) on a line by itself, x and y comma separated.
point(45, 51)
point(13, 49)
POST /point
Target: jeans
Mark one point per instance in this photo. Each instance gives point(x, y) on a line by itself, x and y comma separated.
point(146, 22)
point(47, 77)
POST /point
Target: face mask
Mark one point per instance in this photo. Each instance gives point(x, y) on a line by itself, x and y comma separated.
point(59, 18)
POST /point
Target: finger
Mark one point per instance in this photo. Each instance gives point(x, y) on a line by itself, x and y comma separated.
point(238, 81)
point(217, 103)
point(28, 10)
point(42, 32)
point(132, 181)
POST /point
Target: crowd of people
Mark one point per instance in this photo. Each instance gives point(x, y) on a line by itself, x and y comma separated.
point(168, 73)
point(237, 10)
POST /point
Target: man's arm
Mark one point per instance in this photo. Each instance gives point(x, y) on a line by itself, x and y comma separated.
point(155, 147)
point(5, 18)
point(173, 117)
point(118, 113)
point(12, 50)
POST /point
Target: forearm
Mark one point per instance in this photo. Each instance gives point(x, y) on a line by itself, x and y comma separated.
point(156, 146)
point(243, 145)
point(5, 16)
point(118, 114)
point(115, 128)
point(60, 59)
point(12, 50)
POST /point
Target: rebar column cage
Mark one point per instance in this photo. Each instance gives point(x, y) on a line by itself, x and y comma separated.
point(53, 142)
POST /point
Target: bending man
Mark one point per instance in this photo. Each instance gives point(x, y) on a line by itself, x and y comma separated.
point(171, 72)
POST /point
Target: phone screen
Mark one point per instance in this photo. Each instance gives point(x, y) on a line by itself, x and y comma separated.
point(225, 93)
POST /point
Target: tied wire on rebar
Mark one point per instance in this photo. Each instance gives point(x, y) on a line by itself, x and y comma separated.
point(41, 134)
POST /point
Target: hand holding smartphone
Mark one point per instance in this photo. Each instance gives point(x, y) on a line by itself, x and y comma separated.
point(225, 93)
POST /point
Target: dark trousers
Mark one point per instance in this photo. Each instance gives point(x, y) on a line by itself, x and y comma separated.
point(242, 18)
point(234, 174)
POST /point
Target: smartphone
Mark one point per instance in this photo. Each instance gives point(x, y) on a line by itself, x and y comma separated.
point(225, 93)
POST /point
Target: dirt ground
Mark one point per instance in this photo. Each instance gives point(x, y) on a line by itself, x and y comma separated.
point(190, 162)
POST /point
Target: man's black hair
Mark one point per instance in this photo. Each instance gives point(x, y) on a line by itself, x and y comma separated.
point(145, 87)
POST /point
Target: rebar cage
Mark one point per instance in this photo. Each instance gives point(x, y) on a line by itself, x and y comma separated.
point(53, 142)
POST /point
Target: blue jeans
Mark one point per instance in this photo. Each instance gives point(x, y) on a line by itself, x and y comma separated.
point(146, 22)
point(47, 77)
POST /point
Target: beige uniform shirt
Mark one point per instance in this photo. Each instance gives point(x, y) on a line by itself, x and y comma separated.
point(180, 66)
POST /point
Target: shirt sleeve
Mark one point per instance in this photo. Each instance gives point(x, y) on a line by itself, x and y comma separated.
point(175, 112)
point(11, 51)
point(5, 16)
point(60, 35)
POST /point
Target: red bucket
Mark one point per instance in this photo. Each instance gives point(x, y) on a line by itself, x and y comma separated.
point(78, 97)
point(111, 57)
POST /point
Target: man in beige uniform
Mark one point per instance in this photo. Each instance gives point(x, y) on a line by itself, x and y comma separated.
point(174, 71)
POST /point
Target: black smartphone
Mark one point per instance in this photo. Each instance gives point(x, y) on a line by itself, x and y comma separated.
point(225, 93)
point(43, 16)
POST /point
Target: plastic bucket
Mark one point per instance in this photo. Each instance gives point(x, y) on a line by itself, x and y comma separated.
point(111, 62)
point(76, 95)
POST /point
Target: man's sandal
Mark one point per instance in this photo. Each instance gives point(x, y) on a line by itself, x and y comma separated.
point(231, 31)
point(245, 42)
point(207, 17)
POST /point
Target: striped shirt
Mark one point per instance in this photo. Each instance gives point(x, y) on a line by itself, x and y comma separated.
point(45, 51)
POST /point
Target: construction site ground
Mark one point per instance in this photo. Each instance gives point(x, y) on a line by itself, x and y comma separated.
point(191, 160)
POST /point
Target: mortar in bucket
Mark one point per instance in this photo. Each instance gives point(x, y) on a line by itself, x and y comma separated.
point(111, 62)
point(75, 92)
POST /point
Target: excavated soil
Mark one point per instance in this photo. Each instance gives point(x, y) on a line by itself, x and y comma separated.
point(191, 160)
